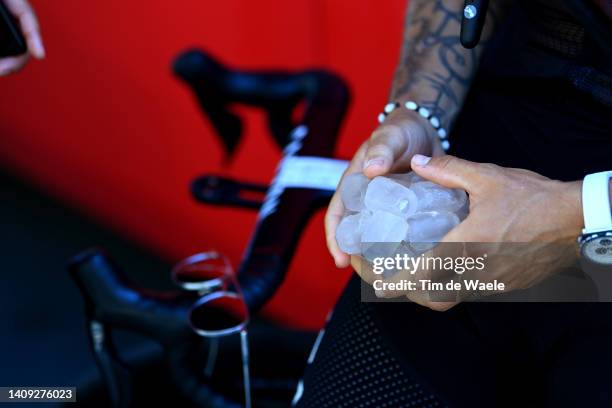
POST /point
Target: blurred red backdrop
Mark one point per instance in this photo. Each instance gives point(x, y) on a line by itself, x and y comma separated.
point(103, 125)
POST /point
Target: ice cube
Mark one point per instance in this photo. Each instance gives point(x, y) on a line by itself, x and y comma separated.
point(370, 250)
point(365, 217)
point(420, 248)
point(382, 234)
point(348, 234)
point(404, 249)
point(433, 197)
point(352, 191)
point(463, 212)
point(430, 226)
point(385, 194)
point(407, 179)
point(396, 214)
point(383, 226)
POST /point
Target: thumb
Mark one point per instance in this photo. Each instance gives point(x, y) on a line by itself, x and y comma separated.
point(448, 171)
point(386, 144)
point(390, 147)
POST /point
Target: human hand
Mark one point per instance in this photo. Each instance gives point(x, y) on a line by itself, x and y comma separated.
point(402, 135)
point(507, 205)
point(28, 22)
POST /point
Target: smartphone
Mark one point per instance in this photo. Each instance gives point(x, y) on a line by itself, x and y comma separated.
point(12, 41)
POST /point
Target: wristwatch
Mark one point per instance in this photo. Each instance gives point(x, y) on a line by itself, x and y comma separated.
point(596, 239)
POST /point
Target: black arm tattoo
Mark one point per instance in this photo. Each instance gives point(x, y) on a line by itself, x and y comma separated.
point(434, 69)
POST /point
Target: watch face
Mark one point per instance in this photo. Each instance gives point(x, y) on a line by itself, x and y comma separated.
point(598, 250)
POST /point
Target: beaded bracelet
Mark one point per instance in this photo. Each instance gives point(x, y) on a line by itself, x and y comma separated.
point(425, 113)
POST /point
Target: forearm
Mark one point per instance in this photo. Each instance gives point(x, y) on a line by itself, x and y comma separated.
point(434, 70)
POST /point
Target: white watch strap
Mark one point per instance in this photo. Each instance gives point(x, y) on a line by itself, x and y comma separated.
point(596, 202)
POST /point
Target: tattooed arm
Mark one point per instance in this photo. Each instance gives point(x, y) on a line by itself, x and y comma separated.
point(434, 71)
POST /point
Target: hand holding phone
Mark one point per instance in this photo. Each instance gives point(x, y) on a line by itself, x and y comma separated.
point(19, 35)
point(12, 41)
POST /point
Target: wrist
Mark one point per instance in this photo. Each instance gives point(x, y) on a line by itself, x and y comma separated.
point(444, 112)
point(570, 201)
point(414, 119)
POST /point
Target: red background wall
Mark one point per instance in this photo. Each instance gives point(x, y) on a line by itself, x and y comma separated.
point(102, 124)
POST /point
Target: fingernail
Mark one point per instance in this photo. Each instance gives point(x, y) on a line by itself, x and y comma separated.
point(379, 293)
point(375, 161)
point(420, 160)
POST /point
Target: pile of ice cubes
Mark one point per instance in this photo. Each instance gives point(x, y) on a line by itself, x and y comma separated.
point(397, 213)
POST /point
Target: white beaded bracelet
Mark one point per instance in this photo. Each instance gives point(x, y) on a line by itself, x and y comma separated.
point(434, 121)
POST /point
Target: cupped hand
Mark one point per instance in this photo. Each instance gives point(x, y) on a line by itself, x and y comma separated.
point(540, 216)
point(389, 150)
point(28, 22)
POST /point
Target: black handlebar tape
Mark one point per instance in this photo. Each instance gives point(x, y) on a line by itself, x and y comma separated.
point(217, 87)
point(115, 302)
point(111, 298)
point(472, 22)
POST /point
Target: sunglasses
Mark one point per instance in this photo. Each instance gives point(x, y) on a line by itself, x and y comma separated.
point(220, 310)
